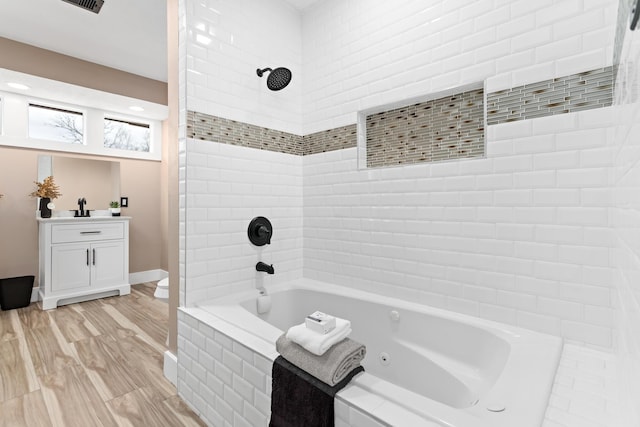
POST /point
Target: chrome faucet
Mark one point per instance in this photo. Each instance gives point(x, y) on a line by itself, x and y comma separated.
point(261, 266)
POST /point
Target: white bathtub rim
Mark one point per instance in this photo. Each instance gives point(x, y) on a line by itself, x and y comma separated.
point(355, 394)
point(501, 329)
point(218, 312)
point(263, 347)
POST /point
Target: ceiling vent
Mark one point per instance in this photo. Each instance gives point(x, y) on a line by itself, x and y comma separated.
point(90, 5)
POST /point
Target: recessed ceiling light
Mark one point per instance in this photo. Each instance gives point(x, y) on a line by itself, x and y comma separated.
point(18, 86)
point(136, 108)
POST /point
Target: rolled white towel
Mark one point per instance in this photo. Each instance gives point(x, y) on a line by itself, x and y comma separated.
point(317, 343)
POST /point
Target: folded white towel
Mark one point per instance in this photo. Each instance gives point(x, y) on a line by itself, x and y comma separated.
point(315, 342)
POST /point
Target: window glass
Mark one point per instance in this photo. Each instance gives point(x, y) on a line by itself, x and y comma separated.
point(56, 124)
point(125, 135)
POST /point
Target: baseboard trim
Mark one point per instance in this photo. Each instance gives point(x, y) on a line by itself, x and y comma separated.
point(171, 367)
point(134, 278)
point(35, 294)
point(147, 276)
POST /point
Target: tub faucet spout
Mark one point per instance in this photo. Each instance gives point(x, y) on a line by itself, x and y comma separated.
point(261, 266)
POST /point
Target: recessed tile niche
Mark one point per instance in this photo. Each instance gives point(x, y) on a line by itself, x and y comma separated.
point(446, 128)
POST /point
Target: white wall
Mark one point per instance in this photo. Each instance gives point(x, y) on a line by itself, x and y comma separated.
point(228, 186)
point(626, 222)
point(522, 236)
point(519, 237)
point(360, 54)
point(227, 40)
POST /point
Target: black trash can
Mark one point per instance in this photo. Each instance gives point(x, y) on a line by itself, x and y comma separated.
point(15, 292)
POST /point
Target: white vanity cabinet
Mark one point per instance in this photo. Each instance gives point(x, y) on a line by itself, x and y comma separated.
point(83, 258)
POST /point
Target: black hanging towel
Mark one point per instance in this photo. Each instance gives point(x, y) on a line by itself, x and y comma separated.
point(300, 399)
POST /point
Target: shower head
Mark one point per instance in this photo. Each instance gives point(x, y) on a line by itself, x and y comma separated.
point(278, 78)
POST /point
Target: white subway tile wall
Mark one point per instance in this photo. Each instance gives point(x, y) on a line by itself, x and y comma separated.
point(223, 381)
point(227, 186)
point(227, 41)
point(228, 384)
point(511, 239)
point(585, 391)
point(626, 219)
point(384, 55)
point(391, 51)
point(523, 236)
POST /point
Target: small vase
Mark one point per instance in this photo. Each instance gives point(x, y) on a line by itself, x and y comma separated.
point(45, 212)
point(115, 211)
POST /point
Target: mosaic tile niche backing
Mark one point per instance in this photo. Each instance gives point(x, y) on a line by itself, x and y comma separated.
point(440, 129)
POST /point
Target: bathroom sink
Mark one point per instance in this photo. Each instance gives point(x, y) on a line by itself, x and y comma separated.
point(100, 213)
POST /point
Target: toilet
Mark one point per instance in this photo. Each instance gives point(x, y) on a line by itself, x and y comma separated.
point(162, 290)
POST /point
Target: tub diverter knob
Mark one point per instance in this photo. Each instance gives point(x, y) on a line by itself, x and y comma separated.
point(260, 231)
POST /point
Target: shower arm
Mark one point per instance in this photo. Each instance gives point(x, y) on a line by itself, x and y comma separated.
point(260, 72)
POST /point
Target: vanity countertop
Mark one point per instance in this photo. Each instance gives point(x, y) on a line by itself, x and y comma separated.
point(83, 219)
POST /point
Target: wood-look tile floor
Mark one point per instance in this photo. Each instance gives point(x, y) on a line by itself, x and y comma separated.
point(96, 363)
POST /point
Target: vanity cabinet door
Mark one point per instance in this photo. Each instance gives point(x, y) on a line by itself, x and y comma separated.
point(107, 263)
point(82, 258)
point(70, 267)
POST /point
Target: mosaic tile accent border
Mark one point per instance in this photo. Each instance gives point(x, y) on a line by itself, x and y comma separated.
point(446, 128)
point(217, 129)
point(330, 140)
point(577, 92)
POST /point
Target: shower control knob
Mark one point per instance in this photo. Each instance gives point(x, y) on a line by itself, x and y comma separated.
point(260, 231)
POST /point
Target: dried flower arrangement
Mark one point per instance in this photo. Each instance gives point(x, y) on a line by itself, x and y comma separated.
point(47, 188)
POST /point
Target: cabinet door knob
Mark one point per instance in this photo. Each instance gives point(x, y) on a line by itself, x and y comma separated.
point(94, 256)
point(87, 256)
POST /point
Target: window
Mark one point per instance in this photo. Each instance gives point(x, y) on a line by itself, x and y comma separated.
point(56, 124)
point(126, 135)
point(60, 125)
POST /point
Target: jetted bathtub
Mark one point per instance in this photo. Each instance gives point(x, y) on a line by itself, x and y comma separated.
point(424, 366)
